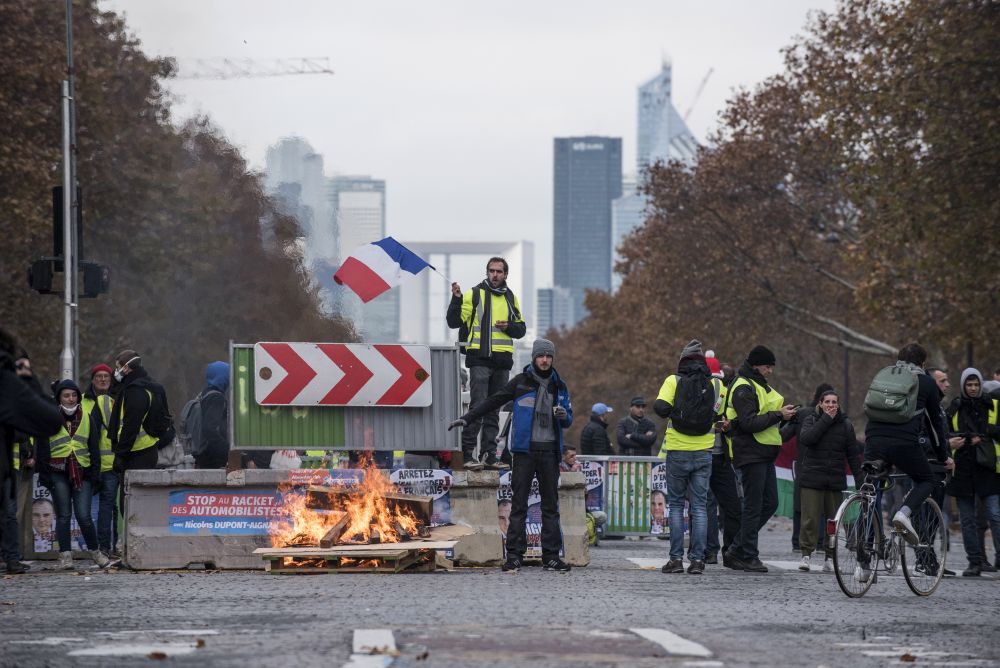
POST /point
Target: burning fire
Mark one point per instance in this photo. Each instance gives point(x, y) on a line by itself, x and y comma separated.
point(370, 517)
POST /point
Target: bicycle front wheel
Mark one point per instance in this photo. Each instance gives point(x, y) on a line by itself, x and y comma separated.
point(923, 563)
point(854, 556)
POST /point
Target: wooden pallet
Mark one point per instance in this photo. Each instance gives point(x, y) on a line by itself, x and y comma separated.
point(411, 557)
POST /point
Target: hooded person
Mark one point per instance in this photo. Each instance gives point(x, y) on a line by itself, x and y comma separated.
point(69, 464)
point(212, 442)
point(541, 412)
point(972, 422)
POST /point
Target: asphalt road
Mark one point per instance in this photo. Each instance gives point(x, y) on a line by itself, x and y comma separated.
point(594, 616)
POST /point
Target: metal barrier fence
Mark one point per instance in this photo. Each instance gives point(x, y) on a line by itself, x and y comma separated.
point(625, 487)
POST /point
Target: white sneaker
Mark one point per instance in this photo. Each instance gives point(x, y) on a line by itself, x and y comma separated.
point(65, 561)
point(902, 524)
point(862, 574)
point(828, 565)
point(804, 564)
point(100, 558)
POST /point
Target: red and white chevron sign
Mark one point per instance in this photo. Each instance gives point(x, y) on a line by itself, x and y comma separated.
point(341, 374)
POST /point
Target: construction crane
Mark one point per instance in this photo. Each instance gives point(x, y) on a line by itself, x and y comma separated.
point(250, 68)
point(701, 87)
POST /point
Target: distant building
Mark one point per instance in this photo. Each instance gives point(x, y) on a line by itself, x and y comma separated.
point(358, 206)
point(662, 136)
point(293, 172)
point(587, 178)
point(554, 309)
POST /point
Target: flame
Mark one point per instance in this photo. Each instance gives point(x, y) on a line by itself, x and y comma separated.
point(366, 507)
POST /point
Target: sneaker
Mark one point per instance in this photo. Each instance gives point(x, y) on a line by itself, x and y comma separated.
point(473, 465)
point(804, 564)
point(711, 559)
point(100, 558)
point(557, 565)
point(15, 567)
point(948, 573)
point(863, 573)
point(65, 561)
point(987, 567)
point(696, 567)
point(730, 560)
point(973, 571)
point(902, 524)
point(754, 566)
point(673, 566)
point(512, 565)
point(828, 565)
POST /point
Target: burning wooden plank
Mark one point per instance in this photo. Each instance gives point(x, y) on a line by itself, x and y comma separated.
point(422, 507)
point(332, 536)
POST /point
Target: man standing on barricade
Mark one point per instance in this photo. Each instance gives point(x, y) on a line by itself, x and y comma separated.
point(687, 398)
point(542, 410)
point(754, 410)
point(488, 318)
point(635, 433)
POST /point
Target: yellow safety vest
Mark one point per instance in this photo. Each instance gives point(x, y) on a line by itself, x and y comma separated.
point(143, 440)
point(673, 439)
point(994, 414)
point(768, 400)
point(64, 445)
point(499, 340)
point(104, 405)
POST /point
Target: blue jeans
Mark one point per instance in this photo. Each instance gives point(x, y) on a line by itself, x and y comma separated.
point(687, 477)
point(970, 528)
point(991, 504)
point(107, 513)
point(67, 500)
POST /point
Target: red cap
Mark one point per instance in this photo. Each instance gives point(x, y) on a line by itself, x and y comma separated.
point(100, 367)
point(714, 366)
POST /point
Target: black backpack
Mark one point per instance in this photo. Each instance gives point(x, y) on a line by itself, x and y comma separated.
point(159, 423)
point(693, 412)
point(463, 329)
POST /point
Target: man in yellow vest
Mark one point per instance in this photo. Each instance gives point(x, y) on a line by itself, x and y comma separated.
point(97, 403)
point(492, 317)
point(133, 447)
point(754, 409)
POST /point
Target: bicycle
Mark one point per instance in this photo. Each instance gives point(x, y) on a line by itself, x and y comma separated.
point(861, 549)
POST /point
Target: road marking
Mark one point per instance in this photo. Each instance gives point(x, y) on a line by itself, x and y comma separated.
point(703, 664)
point(673, 643)
point(170, 649)
point(648, 564)
point(46, 641)
point(372, 648)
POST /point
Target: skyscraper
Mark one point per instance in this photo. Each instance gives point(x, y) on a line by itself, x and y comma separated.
point(662, 136)
point(292, 162)
point(587, 177)
point(358, 205)
point(554, 309)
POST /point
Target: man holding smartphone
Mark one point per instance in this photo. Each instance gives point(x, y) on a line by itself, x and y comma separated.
point(542, 410)
point(488, 318)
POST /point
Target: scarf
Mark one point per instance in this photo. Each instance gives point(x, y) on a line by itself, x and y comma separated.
point(543, 399)
point(486, 324)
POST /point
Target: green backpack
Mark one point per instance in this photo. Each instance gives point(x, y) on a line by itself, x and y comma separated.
point(892, 396)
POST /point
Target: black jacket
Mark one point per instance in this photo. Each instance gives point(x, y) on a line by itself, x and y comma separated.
point(594, 438)
point(968, 477)
point(638, 444)
point(916, 430)
point(749, 421)
point(131, 406)
point(826, 444)
point(21, 409)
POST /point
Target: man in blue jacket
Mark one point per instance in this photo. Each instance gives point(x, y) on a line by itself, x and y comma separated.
point(542, 410)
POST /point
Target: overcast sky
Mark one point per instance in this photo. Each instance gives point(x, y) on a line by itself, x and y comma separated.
point(455, 104)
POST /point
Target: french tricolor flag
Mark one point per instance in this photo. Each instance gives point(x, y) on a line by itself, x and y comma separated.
point(377, 267)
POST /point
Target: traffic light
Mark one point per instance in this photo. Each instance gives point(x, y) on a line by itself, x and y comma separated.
point(94, 279)
point(40, 276)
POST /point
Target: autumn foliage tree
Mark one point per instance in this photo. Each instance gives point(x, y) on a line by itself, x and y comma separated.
point(174, 211)
point(846, 204)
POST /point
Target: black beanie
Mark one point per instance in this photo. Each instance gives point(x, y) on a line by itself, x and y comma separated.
point(760, 356)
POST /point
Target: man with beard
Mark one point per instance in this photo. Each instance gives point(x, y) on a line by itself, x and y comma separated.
point(488, 319)
point(542, 410)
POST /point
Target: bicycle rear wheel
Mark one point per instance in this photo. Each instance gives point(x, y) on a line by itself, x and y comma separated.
point(923, 563)
point(854, 556)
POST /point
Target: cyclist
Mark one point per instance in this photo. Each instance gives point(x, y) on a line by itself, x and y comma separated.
point(902, 445)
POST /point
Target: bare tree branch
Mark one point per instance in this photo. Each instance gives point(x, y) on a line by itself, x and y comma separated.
point(840, 341)
point(840, 327)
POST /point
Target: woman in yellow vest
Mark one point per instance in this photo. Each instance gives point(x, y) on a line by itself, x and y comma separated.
point(69, 464)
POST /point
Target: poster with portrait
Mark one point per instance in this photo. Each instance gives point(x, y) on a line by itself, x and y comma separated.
point(659, 506)
point(43, 521)
point(593, 473)
point(435, 483)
